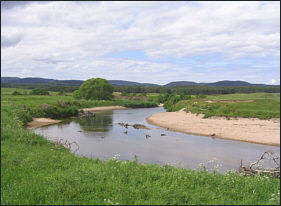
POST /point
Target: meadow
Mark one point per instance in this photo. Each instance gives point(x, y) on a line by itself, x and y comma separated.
point(35, 171)
point(254, 105)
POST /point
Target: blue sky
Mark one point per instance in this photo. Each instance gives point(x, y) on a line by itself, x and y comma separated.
point(147, 42)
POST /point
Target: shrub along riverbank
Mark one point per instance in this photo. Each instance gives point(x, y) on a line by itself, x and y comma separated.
point(34, 171)
point(28, 106)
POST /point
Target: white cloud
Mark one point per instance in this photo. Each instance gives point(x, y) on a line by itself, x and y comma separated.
point(26, 71)
point(60, 33)
point(274, 81)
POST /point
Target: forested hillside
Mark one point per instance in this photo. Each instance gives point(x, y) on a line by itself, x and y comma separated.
point(180, 87)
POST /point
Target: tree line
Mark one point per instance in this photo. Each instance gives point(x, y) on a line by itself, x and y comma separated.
point(198, 89)
point(187, 90)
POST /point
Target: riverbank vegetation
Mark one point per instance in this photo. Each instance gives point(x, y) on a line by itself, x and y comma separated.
point(27, 106)
point(255, 105)
point(35, 171)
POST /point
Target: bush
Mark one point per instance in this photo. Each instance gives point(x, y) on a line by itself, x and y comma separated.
point(140, 104)
point(173, 99)
point(39, 92)
point(23, 115)
point(124, 94)
point(62, 93)
point(200, 96)
point(16, 93)
point(185, 97)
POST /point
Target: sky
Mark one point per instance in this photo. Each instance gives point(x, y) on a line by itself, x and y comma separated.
point(142, 41)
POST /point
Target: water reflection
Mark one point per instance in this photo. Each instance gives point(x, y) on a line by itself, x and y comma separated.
point(101, 137)
point(101, 122)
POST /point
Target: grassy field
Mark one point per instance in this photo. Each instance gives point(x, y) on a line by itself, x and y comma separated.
point(259, 105)
point(34, 171)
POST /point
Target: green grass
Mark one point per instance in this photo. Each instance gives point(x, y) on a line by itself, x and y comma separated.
point(55, 106)
point(264, 106)
point(34, 171)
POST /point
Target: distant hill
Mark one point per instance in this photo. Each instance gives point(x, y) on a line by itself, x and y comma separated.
point(128, 83)
point(224, 83)
point(36, 80)
point(228, 83)
point(180, 83)
point(31, 80)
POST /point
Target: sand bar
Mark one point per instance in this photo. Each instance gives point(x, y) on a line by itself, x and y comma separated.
point(241, 129)
point(38, 122)
point(104, 108)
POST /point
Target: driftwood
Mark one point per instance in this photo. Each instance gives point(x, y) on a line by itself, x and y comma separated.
point(136, 126)
point(275, 172)
point(65, 143)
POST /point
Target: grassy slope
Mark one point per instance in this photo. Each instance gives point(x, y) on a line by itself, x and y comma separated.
point(34, 171)
point(264, 106)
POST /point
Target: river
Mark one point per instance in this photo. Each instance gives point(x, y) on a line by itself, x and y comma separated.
point(102, 137)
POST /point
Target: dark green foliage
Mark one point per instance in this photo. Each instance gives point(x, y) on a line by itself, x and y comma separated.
point(140, 104)
point(23, 114)
point(39, 92)
point(124, 94)
point(95, 89)
point(200, 96)
point(172, 100)
point(64, 109)
point(16, 93)
point(61, 92)
point(163, 98)
point(185, 97)
point(72, 85)
point(77, 94)
point(197, 89)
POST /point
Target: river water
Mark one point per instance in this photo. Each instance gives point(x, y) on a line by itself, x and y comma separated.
point(102, 137)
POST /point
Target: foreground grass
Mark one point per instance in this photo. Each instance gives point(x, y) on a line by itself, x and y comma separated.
point(34, 171)
point(258, 105)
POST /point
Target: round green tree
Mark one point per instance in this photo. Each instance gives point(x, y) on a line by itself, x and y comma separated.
point(94, 89)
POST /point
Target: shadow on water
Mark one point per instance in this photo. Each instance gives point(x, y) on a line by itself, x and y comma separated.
point(102, 137)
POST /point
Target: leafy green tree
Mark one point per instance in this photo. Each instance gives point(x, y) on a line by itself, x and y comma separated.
point(94, 89)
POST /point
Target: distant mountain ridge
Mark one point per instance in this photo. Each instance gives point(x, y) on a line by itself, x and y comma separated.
point(36, 80)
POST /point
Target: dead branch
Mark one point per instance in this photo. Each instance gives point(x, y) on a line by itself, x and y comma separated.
point(266, 152)
point(136, 126)
point(66, 144)
point(275, 172)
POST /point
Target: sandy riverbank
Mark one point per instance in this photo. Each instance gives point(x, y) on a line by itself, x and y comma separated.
point(39, 122)
point(104, 108)
point(242, 129)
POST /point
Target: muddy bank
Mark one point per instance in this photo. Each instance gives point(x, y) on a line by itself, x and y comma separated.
point(241, 129)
